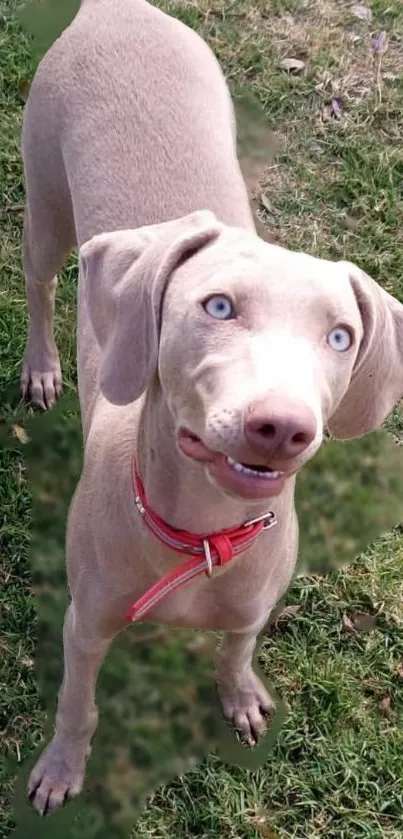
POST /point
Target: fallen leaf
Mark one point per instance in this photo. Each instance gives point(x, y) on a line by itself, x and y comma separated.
point(266, 204)
point(287, 613)
point(361, 11)
point(316, 148)
point(399, 670)
point(334, 110)
point(348, 624)
point(292, 65)
point(20, 434)
point(380, 42)
point(385, 708)
point(336, 107)
point(260, 822)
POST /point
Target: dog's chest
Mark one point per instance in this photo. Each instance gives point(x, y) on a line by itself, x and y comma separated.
point(231, 601)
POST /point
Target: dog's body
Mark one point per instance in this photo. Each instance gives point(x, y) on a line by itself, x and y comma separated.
point(129, 125)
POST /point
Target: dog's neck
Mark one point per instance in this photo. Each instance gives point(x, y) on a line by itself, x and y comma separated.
point(178, 489)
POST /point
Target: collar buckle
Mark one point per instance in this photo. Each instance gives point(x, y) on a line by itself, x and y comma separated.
point(269, 520)
point(139, 505)
point(207, 556)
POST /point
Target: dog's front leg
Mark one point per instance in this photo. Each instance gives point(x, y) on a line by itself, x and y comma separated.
point(244, 699)
point(59, 772)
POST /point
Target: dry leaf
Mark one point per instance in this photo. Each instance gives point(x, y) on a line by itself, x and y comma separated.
point(361, 11)
point(20, 434)
point(348, 624)
point(385, 709)
point(286, 613)
point(316, 148)
point(380, 42)
point(292, 65)
point(260, 822)
point(336, 108)
point(399, 670)
point(266, 204)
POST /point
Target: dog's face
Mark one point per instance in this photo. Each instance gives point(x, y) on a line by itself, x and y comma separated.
point(256, 348)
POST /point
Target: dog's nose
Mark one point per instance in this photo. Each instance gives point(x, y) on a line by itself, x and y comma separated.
point(279, 425)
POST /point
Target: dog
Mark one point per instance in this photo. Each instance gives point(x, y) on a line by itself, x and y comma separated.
point(209, 361)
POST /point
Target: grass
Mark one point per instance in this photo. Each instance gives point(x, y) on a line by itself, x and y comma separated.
point(335, 189)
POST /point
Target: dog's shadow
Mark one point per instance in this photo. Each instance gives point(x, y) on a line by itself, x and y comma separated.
point(159, 715)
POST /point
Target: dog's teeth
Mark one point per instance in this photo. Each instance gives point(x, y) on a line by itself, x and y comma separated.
point(264, 476)
point(235, 465)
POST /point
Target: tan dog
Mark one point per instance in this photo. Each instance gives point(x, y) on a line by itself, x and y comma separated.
point(212, 358)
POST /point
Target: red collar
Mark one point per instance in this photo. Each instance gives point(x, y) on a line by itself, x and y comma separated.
point(205, 551)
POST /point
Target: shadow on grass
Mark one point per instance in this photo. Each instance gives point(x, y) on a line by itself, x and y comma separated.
point(158, 711)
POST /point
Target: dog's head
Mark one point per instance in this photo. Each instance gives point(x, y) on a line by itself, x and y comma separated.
point(256, 348)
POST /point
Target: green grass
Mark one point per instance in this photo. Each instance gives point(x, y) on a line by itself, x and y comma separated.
point(335, 189)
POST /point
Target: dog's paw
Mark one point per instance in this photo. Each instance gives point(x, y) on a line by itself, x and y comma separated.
point(41, 380)
point(248, 705)
point(57, 776)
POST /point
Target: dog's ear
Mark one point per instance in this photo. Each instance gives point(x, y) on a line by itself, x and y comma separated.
point(125, 275)
point(377, 381)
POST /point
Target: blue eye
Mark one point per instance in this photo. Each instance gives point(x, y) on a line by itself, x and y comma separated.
point(219, 307)
point(340, 339)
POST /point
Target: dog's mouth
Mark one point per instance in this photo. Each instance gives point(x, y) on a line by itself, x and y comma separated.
point(248, 480)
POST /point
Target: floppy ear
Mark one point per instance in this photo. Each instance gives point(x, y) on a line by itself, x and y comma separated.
point(377, 381)
point(125, 276)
